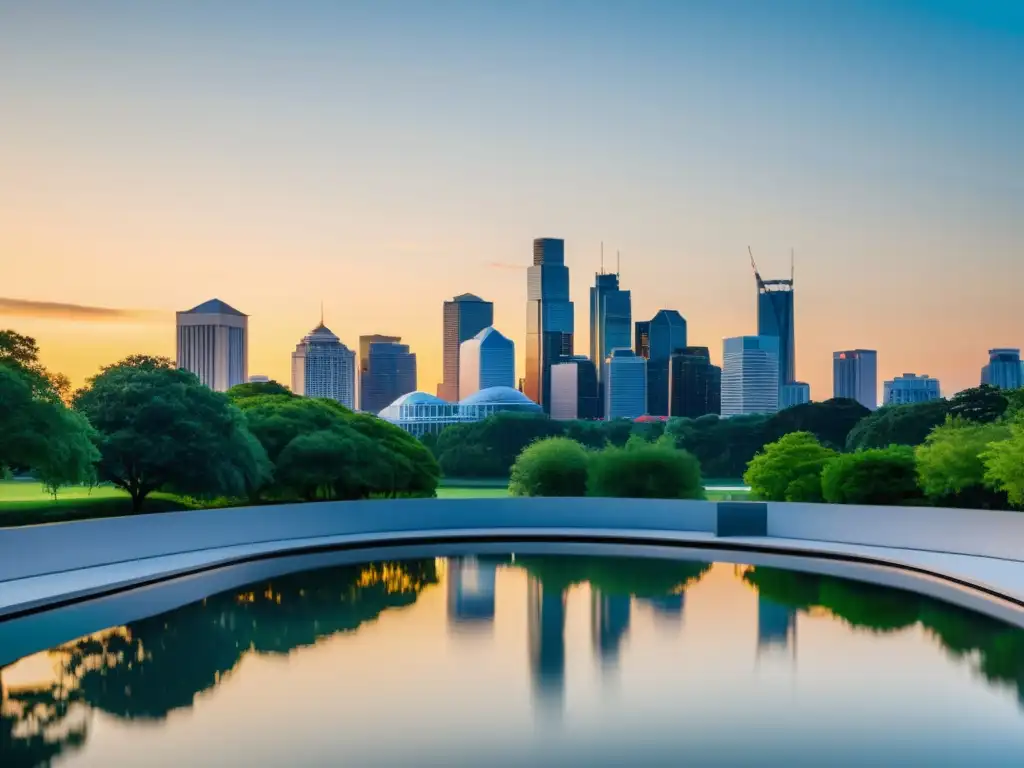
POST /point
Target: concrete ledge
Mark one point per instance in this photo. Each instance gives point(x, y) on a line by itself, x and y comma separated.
point(742, 519)
point(48, 565)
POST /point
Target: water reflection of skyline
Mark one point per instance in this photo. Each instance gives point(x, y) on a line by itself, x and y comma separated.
point(596, 609)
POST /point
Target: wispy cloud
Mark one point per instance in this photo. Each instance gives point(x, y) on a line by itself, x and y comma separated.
point(506, 265)
point(58, 310)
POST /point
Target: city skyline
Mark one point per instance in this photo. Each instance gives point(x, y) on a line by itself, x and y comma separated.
point(166, 167)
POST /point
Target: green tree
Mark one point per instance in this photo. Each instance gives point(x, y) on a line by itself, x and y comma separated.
point(789, 469)
point(21, 353)
point(489, 448)
point(39, 433)
point(875, 476)
point(330, 464)
point(400, 463)
point(258, 388)
point(645, 471)
point(159, 427)
point(829, 421)
point(69, 454)
point(1014, 403)
point(983, 404)
point(897, 425)
point(553, 466)
point(1004, 464)
point(724, 447)
point(950, 467)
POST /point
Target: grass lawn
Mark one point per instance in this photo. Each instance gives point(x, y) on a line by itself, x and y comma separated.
point(23, 502)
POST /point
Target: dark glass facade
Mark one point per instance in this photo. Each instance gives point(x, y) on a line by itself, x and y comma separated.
point(389, 373)
point(775, 318)
point(695, 385)
point(642, 339)
point(464, 317)
point(666, 335)
point(611, 317)
point(549, 317)
point(588, 403)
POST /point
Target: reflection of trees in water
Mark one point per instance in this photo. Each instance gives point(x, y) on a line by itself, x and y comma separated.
point(999, 646)
point(156, 665)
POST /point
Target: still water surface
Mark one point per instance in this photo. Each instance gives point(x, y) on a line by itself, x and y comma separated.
point(571, 661)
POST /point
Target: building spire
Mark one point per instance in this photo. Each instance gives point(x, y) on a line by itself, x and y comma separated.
point(321, 313)
point(617, 261)
point(602, 257)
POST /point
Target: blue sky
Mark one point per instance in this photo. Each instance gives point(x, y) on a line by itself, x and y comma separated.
point(385, 156)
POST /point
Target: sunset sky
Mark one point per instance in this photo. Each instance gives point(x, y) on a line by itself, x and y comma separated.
point(384, 156)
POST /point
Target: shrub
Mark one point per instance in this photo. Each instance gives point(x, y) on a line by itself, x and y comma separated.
point(645, 471)
point(1004, 463)
point(554, 466)
point(950, 467)
point(789, 469)
point(875, 476)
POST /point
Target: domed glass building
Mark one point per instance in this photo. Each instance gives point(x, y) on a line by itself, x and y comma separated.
point(419, 413)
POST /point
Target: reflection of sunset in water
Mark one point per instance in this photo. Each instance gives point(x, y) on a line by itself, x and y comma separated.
point(577, 651)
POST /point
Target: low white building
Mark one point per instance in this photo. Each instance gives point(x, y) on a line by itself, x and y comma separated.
point(419, 413)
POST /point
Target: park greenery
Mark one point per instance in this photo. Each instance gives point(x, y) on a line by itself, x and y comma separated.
point(972, 458)
point(559, 466)
point(144, 426)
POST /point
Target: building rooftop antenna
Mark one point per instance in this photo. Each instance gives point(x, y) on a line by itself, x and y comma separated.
point(321, 312)
point(792, 265)
point(617, 263)
point(602, 257)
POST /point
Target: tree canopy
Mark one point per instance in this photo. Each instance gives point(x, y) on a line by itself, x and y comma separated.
point(256, 388)
point(554, 466)
point(829, 421)
point(983, 404)
point(322, 450)
point(789, 469)
point(950, 465)
point(159, 427)
point(1004, 463)
point(897, 425)
point(643, 470)
point(875, 476)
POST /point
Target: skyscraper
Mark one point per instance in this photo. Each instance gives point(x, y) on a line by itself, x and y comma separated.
point(855, 376)
point(549, 317)
point(911, 388)
point(642, 338)
point(464, 317)
point(1004, 369)
point(213, 343)
point(794, 393)
point(574, 390)
point(750, 375)
point(775, 318)
point(324, 367)
point(486, 360)
point(388, 371)
point(694, 384)
point(666, 334)
point(625, 385)
point(611, 317)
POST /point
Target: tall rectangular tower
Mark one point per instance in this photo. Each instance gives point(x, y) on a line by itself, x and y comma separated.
point(549, 317)
point(464, 317)
point(213, 343)
point(611, 317)
point(750, 375)
point(855, 376)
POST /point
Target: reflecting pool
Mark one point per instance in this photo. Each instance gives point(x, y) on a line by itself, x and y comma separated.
point(539, 660)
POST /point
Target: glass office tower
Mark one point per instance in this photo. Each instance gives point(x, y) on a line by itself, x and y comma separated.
point(549, 317)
